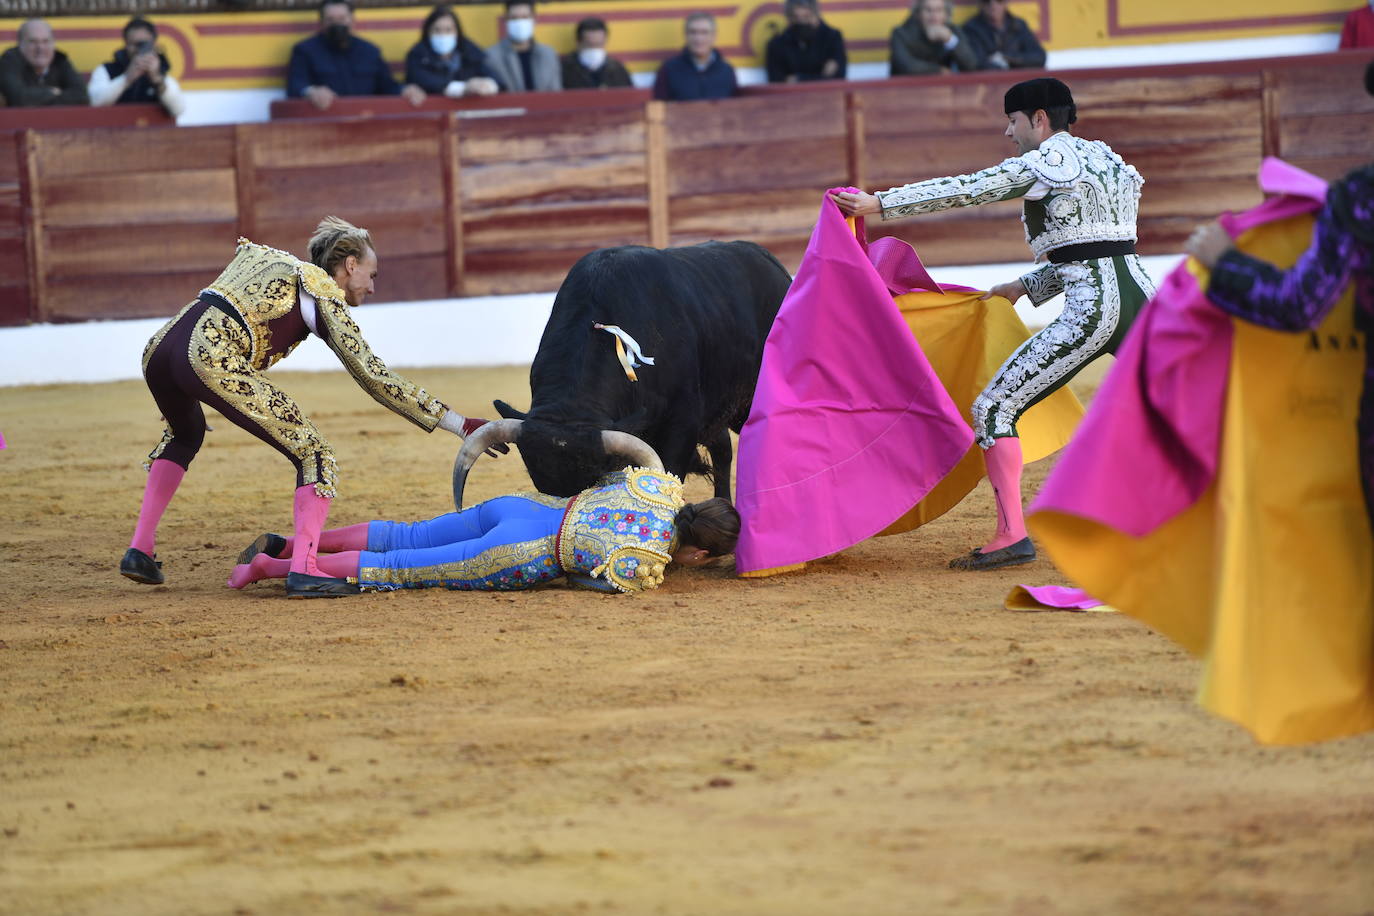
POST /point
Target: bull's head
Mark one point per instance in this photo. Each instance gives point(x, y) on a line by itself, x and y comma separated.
point(561, 461)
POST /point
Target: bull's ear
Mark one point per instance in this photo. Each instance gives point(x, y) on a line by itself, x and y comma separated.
point(507, 411)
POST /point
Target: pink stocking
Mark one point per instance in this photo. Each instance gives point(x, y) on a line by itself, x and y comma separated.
point(1004, 473)
point(350, 537)
point(338, 565)
point(163, 479)
point(311, 510)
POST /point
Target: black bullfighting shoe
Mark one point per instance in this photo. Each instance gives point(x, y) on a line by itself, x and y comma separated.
point(302, 585)
point(1023, 551)
point(270, 544)
point(140, 567)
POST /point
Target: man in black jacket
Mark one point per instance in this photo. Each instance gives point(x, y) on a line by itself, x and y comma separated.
point(35, 73)
point(588, 67)
point(1000, 40)
point(807, 49)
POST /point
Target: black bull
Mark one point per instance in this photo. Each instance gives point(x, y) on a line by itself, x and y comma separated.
point(702, 313)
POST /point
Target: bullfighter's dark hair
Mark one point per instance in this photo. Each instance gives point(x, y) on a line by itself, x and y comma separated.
point(713, 525)
point(510, 3)
point(439, 12)
point(1045, 94)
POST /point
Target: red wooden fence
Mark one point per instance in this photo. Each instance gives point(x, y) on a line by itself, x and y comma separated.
point(503, 194)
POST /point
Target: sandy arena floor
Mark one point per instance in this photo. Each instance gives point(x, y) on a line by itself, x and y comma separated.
point(874, 736)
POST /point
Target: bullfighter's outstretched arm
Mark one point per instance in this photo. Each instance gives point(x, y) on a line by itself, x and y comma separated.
point(392, 391)
point(1007, 180)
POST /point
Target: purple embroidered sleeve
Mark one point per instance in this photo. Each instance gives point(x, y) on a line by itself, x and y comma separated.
point(1288, 300)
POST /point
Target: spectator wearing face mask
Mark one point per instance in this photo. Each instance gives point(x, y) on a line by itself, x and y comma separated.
point(445, 62)
point(336, 62)
point(138, 73)
point(518, 61)
point(588, 67)
point(807, 49)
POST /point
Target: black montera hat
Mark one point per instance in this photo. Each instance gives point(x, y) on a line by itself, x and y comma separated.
point(1043, 93)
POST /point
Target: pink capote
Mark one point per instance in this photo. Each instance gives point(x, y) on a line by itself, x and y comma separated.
point(1158, 415)
point(850, 426)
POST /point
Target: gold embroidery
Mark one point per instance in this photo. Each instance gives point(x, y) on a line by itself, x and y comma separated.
point(217, 354)
point(508, 559)
point(262, 283)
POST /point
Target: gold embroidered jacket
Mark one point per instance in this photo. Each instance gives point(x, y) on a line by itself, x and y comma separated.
point(263, 285)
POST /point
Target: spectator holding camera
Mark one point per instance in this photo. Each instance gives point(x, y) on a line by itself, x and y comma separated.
point(445, 62)
point(35, 73)
point(138, 73)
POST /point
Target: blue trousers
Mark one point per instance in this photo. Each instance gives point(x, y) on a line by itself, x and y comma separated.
point(506, 543)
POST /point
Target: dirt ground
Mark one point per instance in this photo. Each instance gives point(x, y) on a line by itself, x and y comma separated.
point(875, 735)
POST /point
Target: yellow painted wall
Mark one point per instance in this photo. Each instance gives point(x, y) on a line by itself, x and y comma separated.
point(246, 50)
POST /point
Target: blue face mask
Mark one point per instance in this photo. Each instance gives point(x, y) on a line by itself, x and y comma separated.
point(443, 44)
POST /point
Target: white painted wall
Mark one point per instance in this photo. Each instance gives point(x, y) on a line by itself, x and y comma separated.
point(483, 331)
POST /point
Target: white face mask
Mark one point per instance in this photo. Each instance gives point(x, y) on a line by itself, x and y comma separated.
point(593, 58)
point(520, 30)
point(443, 44)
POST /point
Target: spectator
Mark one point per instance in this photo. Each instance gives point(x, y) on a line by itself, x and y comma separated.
point(807, 49)
point(138, 73)
point(518, 61)
point(699, 72)
point(1358, 31)
point(588, 67)
point(445, 62)
point(336, 62)
point(1000, 40)
point(927, 43)
point(36, 73)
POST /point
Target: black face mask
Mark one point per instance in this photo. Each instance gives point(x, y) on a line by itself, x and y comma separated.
point(337, 35)
point(806, 32)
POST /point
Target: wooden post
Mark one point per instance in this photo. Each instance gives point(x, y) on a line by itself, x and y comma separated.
point(656, 171)
point(31, 197)
point(854, 138)
point(1271, 140)
point(451, 164)
point(245, 180)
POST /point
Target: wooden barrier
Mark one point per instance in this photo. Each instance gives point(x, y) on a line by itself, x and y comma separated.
point(502, 195)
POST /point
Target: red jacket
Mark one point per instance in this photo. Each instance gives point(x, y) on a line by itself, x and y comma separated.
point(1358, 31)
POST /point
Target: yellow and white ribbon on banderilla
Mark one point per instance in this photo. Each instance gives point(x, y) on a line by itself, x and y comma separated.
point(623, 341)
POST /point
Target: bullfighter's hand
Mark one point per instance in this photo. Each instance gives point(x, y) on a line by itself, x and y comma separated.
point(1012, 292)
point(1208, 243)
point(472, 424)
point(859, 204)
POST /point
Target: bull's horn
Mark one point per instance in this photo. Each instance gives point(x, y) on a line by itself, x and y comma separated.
point(634, 448)
point(497, 432)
